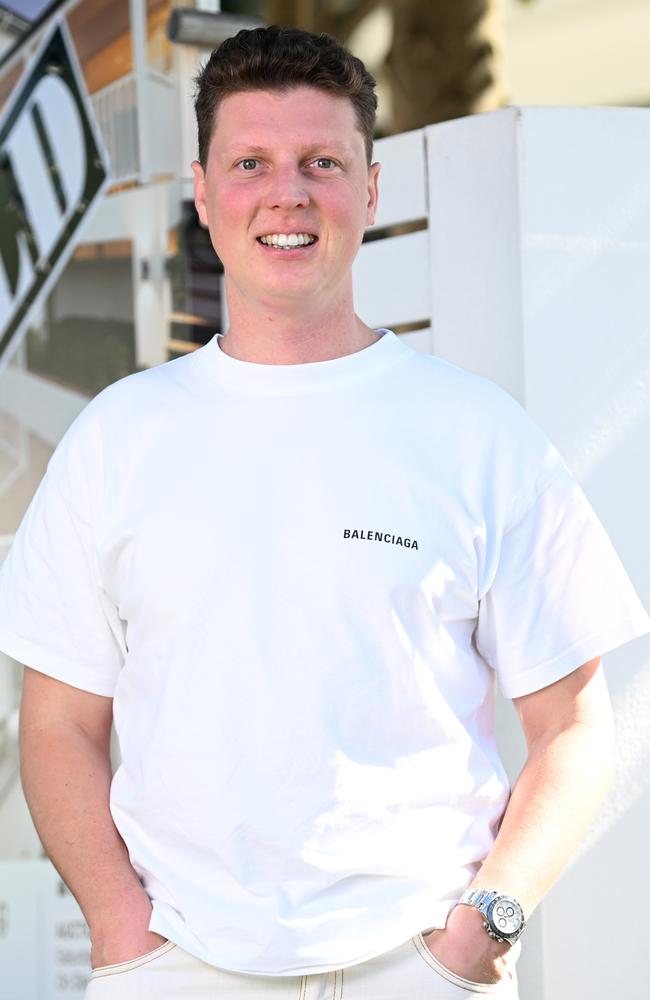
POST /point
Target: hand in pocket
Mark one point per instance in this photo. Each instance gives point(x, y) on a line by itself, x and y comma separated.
point(465, 948)
point(123, 947)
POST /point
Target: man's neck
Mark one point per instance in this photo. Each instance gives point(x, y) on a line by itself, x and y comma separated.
point(285, 337)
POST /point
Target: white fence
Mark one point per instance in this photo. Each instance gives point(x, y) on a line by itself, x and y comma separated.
point(129, 120)
point(116, 112)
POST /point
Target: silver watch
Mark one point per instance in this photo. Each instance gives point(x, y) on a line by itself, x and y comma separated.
point(503, 915)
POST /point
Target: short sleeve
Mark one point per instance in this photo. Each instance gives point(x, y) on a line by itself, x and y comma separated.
point(54, 614)
point(560, 594)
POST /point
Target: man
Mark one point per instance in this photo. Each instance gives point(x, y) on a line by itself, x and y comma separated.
point(290, 567)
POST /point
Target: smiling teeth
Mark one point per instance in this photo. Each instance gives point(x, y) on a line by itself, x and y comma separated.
point(287, 240)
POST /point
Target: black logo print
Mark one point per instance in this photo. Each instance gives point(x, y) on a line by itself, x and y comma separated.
point(381, 536)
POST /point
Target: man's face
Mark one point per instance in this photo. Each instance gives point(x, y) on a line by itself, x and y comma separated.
point(280, 165)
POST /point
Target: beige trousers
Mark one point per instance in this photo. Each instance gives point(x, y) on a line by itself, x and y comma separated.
point(408, 972)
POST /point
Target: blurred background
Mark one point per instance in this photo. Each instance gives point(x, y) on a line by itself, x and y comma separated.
point(139, 283)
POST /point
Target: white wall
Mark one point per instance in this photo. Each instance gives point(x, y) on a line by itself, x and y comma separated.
point(586, 206)
point(540, 234)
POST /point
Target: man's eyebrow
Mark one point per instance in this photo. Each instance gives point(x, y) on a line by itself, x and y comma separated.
point(241, 148)
point(329, 145)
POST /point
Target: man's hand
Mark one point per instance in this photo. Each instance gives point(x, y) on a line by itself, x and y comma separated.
point(123, 940)
point(465, 948)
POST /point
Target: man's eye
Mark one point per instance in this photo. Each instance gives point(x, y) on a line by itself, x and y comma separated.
point(325, 162)
point(248, 164)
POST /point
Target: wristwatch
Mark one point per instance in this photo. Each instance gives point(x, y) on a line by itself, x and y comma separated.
point(504, 917)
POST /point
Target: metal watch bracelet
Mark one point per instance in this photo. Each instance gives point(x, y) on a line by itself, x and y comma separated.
point(503, 915)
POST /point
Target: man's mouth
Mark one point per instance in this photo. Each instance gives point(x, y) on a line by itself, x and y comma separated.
point(287, 241)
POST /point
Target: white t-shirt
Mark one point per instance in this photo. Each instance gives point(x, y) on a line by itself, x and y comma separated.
point(299, 584)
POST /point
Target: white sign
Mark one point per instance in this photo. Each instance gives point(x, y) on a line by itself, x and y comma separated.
point(44, 939)
point(53, 167)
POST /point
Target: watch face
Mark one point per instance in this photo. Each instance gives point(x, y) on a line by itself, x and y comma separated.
point(505, 914)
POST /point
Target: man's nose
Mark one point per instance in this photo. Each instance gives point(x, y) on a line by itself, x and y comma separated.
point(287, 189)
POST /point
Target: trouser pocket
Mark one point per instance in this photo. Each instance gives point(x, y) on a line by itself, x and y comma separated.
point(410, 972)
point(134, 963)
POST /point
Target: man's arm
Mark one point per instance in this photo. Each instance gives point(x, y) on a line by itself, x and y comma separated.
point(569, 733)
point(66, 776)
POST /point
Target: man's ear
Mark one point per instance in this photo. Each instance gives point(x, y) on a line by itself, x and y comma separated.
point(373, 192)
point(199, 191)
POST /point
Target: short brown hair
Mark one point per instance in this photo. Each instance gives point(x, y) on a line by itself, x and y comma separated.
point(276, 58)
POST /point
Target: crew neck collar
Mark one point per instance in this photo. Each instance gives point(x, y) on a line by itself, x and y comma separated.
point(312, 376)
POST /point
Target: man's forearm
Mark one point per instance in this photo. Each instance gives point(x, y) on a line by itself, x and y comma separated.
point(66, 778)
point(552, 804)
point(553, 801)
point(568, 728)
